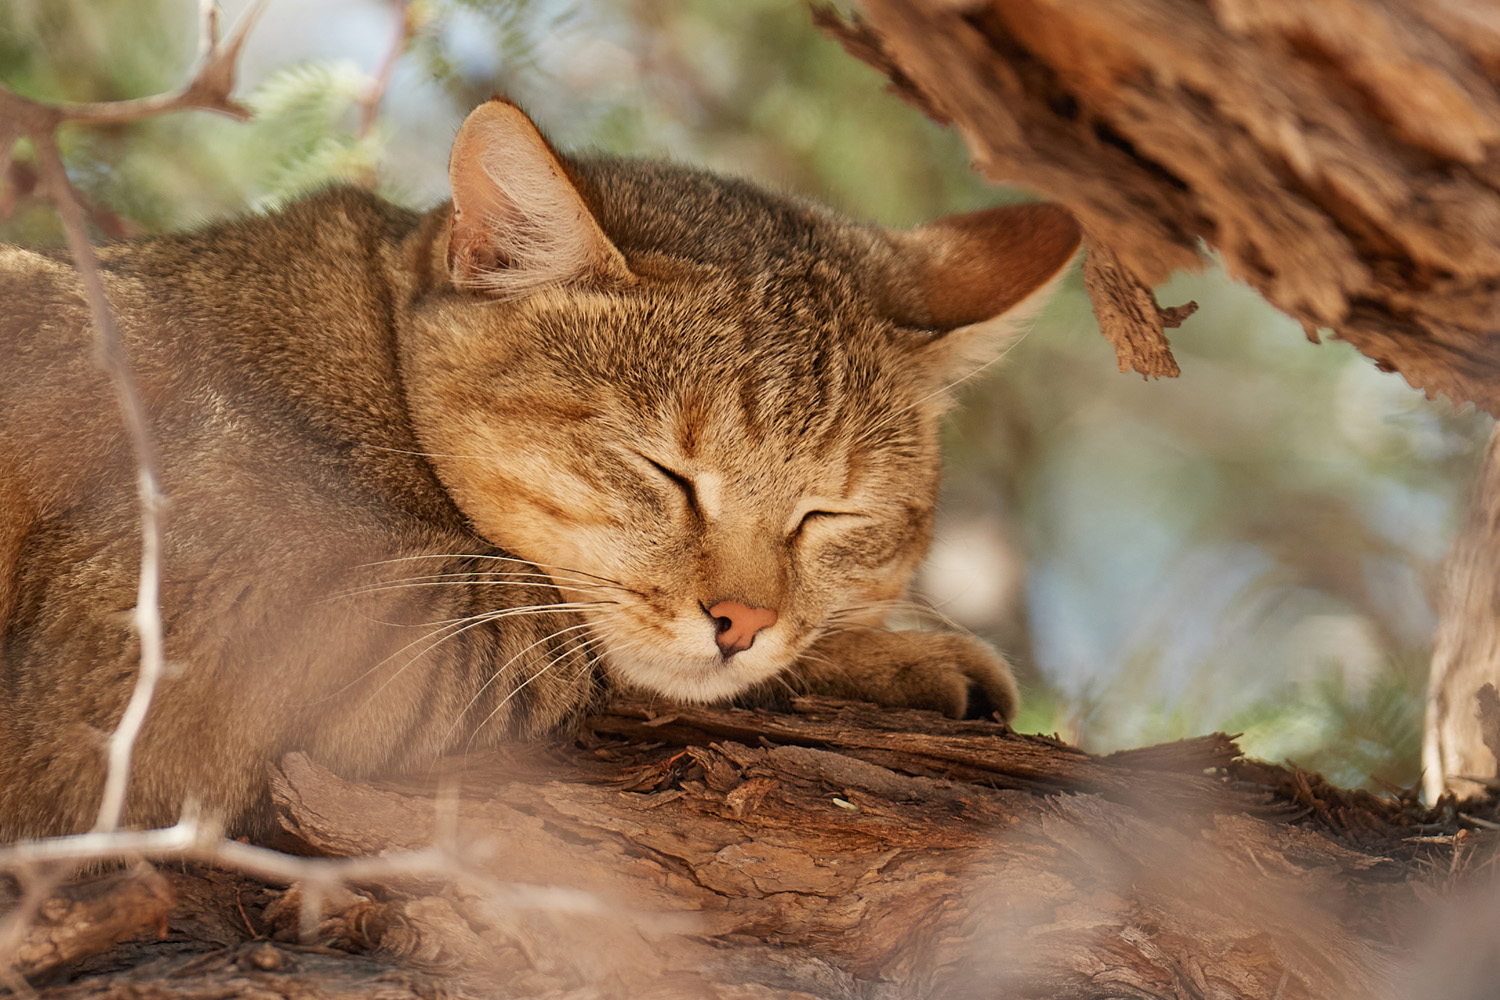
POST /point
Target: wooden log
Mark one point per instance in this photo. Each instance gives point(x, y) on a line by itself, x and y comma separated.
point(843, 851)
point(260, 970)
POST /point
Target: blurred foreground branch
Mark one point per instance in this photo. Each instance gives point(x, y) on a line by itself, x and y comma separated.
point(209, 89)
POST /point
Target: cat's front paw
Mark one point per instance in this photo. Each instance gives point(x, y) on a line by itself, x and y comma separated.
point(957, 675)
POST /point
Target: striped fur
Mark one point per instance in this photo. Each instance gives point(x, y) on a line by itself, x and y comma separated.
point(430, 489)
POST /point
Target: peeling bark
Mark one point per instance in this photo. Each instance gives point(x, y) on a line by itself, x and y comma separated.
point(1341, 158)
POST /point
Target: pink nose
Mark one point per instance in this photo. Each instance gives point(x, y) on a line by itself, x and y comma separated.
point(738, 623)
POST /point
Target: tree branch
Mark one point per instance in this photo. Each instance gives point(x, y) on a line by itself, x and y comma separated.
point(210, 88)
point(1340, 159)
point(369, 102)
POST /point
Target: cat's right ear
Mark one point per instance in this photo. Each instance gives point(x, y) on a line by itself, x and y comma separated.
point(519, 224)
point(972, 281)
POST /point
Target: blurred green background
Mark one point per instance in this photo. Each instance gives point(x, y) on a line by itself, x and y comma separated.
point(1253, 547)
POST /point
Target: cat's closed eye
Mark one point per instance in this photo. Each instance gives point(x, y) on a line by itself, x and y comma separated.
point(677, 479)
point(817, 517)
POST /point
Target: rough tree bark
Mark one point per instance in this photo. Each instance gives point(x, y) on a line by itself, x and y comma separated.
point(832, 851)
point(1340, 157)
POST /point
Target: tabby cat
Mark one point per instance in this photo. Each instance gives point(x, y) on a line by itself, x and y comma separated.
point(435, 478)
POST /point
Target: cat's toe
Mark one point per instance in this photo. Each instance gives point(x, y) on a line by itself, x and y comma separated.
point(991, 697)
point(956, 675)
point(988, 691)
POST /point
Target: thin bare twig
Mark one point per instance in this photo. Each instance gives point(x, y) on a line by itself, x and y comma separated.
point(369, 102)
point(110, 355)
point(43, 863)
point(209, 89)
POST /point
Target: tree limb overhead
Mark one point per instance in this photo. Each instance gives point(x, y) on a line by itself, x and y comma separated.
point(1339, 157)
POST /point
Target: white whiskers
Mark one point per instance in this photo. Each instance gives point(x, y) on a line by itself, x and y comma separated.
point(499, 671)
point(448, 629)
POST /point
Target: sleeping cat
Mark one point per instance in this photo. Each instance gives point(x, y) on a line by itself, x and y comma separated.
point(435, 479)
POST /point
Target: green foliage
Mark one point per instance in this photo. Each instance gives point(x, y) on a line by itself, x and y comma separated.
point(70, 50)
point(752, 88)
point(304, 131)
point(1368, 735)
point(508, 32)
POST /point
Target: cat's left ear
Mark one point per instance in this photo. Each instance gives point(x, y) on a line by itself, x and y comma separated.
point(973, 279)
point(519, 224)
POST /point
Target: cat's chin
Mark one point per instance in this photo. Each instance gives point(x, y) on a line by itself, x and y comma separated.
point(696, 679)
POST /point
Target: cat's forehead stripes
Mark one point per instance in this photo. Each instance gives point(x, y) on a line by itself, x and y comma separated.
point(539, 407)
point(749, 400)
point(692, 412)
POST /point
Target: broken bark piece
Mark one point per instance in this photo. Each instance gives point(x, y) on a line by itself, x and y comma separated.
point(87, 917)
point(1129, 316)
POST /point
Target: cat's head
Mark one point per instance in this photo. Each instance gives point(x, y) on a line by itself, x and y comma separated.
point(710, 413)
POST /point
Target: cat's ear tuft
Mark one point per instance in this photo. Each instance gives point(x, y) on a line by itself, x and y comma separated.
point(519, 224)
point(994, 268)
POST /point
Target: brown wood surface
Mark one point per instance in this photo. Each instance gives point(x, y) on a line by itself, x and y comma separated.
point(835, 851)
point(1461, 731)
point(1340, 157)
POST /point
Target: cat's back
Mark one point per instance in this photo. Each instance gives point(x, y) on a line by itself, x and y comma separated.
point(235, 283)
point(263, 356)
point(52, 393)
point(287, 311)
point(260, 351)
